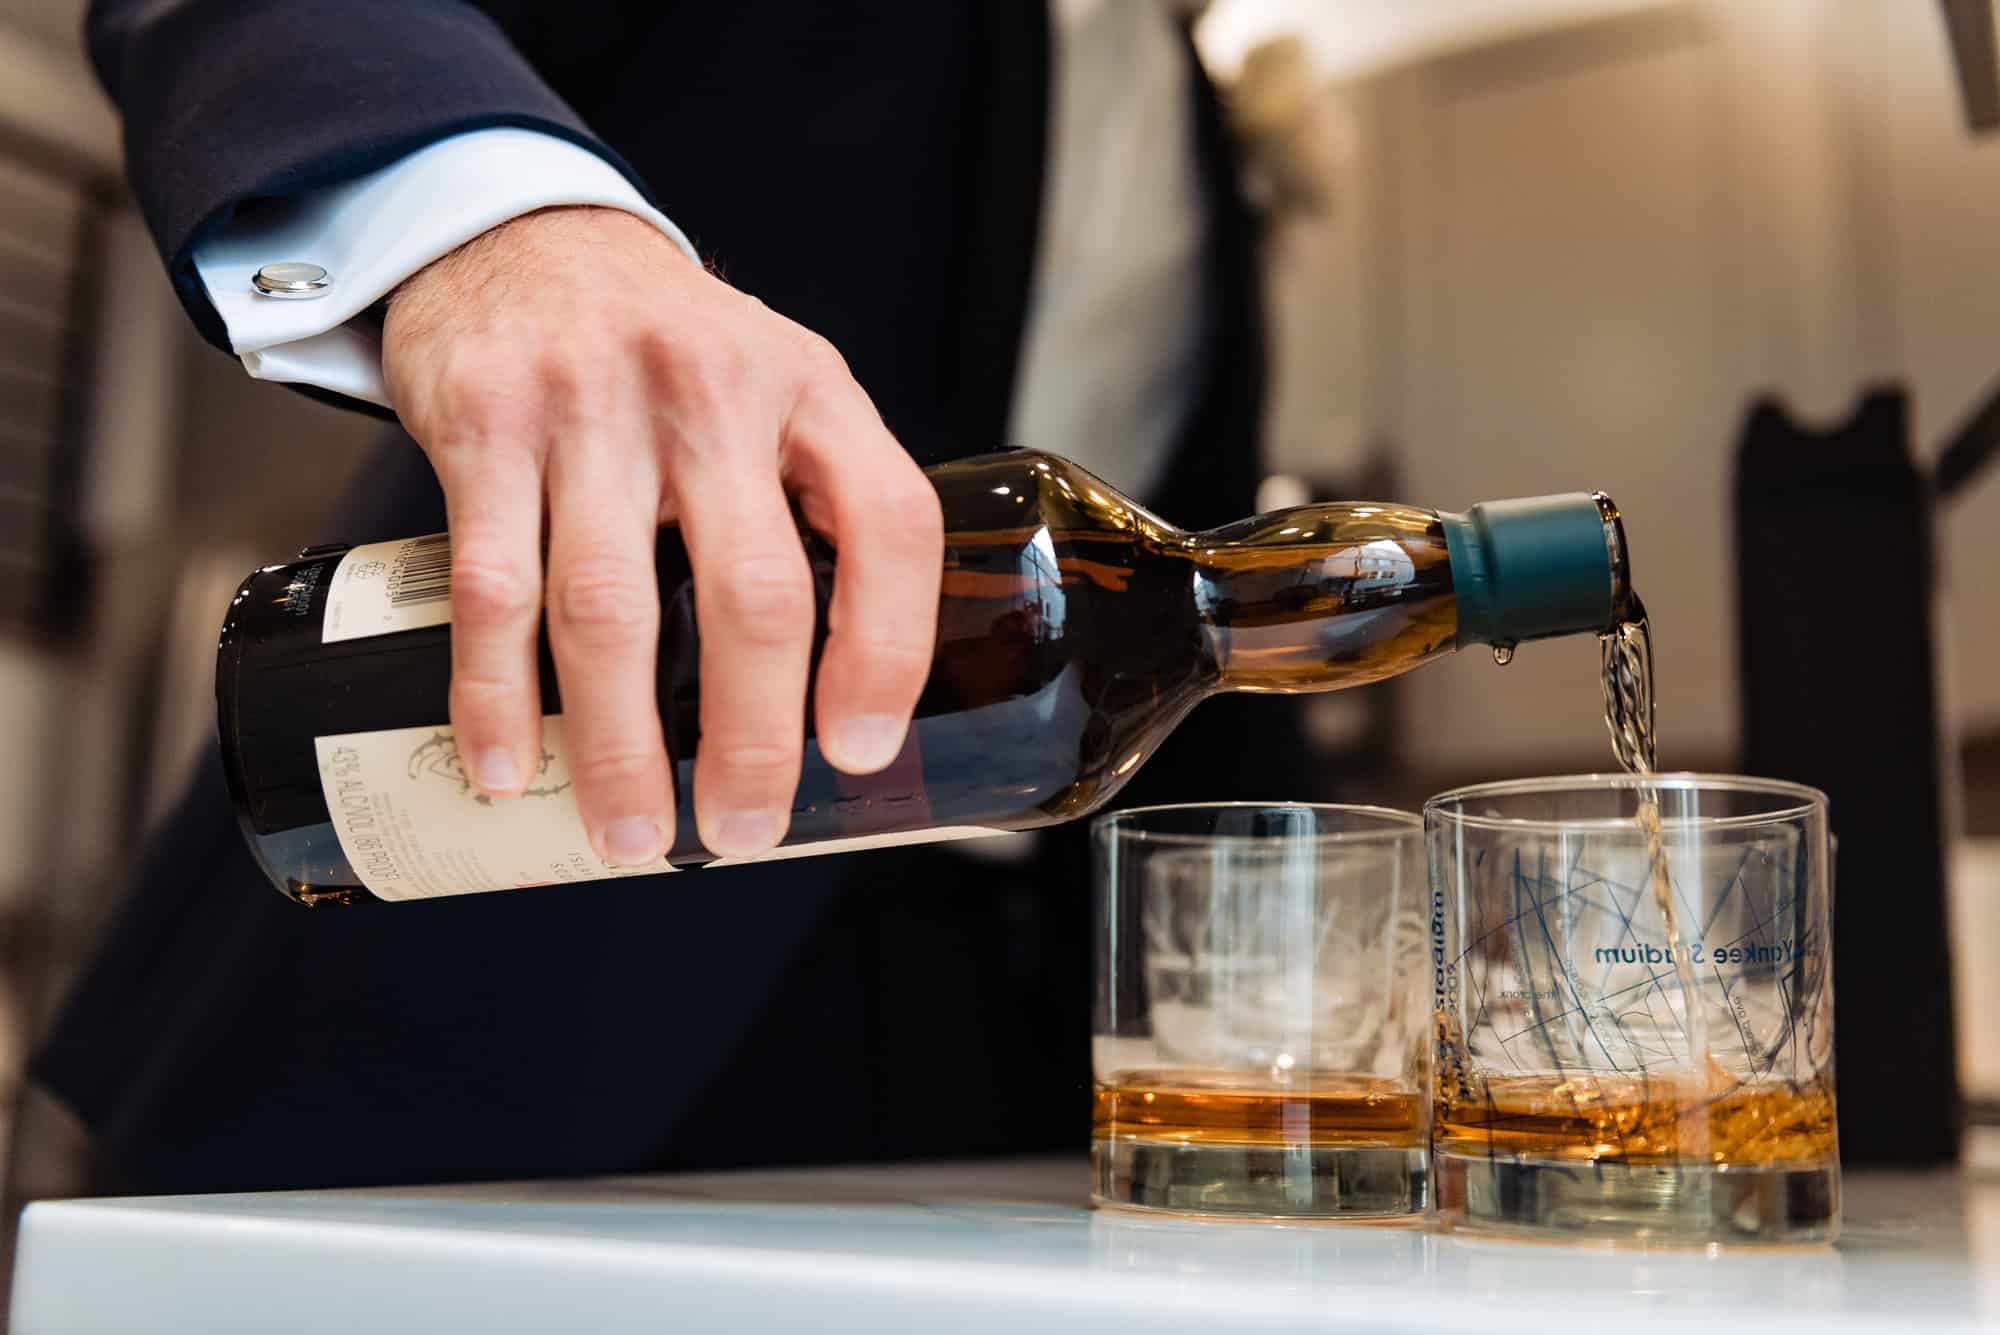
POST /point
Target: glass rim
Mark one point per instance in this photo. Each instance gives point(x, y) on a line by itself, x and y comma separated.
point(1391, 823)
point(1808, 799)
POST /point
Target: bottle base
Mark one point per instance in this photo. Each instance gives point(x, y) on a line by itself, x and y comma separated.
point(1381, 1183)
point(1666, 1204)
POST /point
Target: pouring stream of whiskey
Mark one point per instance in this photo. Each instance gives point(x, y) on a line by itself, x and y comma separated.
point(1628, 713)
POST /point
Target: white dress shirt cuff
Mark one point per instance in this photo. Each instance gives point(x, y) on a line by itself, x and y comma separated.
point(372, 232)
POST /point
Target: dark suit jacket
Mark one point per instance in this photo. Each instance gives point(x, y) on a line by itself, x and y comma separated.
point(872, 170)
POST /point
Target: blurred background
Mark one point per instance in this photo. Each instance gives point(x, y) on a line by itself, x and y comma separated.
point(1514, 246)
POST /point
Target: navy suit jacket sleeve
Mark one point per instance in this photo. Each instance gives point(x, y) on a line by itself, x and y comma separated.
point(226, 102)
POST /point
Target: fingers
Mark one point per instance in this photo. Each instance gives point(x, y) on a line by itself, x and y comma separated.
point(493, 494)
point(604, 629)
point(642, 387)
point(754, 596)
point(863, 492)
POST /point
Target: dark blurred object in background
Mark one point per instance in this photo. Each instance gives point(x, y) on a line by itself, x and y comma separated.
point(1970, 26)
point(46, 238)
point(1835, 586)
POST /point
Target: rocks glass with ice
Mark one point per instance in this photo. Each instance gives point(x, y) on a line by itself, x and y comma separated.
point(1262, 1011)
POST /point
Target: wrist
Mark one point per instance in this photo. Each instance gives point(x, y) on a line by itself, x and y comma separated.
point(520, 244)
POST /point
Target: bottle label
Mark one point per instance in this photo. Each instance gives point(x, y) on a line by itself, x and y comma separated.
point(383, 587)
point(413, 826)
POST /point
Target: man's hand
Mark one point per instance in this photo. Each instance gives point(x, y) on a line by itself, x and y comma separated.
point(574, 362)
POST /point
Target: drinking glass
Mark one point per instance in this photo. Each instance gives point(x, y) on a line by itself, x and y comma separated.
point(1261, 1032)
point(1634, 1009)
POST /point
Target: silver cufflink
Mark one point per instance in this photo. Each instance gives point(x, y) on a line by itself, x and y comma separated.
point(291, 280)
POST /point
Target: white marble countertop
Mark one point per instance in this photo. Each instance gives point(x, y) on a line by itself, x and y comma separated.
point(963, 1248)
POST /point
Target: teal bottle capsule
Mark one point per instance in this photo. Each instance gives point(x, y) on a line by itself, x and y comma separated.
point(1537, 567)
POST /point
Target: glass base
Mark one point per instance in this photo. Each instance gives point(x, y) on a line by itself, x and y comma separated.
point(1260, 1181)
point(1669, 1204)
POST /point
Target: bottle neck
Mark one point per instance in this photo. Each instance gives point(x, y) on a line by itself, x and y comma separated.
point(1324, 596)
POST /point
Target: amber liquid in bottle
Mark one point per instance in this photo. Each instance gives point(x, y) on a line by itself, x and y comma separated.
point(1075, 630)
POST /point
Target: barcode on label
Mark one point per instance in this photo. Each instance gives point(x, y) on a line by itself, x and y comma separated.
point(422, 572)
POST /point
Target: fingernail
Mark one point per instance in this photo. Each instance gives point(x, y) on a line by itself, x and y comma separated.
point(742, 833)
point(872, 740)
point(495, 771)
point(632, 841)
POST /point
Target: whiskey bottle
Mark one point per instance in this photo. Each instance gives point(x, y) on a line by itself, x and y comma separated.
point(1074, 631)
